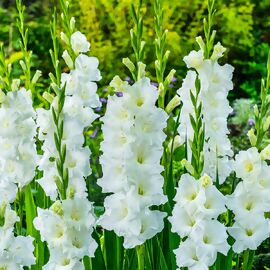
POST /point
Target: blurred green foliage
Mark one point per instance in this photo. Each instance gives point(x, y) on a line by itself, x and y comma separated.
point(242, 26)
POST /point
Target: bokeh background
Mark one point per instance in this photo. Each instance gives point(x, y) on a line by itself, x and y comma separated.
point(242, 26)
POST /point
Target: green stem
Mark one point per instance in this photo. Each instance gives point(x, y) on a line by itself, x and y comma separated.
point(87, 263)
point(140, 256)
point(118, 253)
point(245, 260)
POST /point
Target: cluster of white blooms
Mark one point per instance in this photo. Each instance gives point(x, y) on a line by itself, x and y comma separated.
point(215, 83)
point(18, 161)
point(15, 252)
point(18, 157)
point(67, 228)
point(250, 200)
point(77, 114)
point(132, 149)
point(194, 217)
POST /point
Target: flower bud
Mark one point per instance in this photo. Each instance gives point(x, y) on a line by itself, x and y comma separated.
point(188, 166)
point(206, 180)
point(64, 37)
point(72, 24)
point(200, 42)
point(127, 62)
point(175, 101)
point(47, 96)
point(266, 124)
point(71, 193)
point(176, 143)
point(118, 84)
point(142, 45)
point(218, 52)
point(57, 208)
point(52, 77)
point(166, 56)
point(170, 76)
point(265, 153)
point(22, 65)
point(68, 59)
point(36, 76)
point(15, 84)
point(141, 70)
point(9, 67)
point(55, 88)
point(161, 90)
point(252, 137)
point(256, 110)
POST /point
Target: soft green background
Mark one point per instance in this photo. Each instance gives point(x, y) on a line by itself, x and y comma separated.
point(242, 25)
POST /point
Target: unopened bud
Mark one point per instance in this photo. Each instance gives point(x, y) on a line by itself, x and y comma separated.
point(72, 24)
point(141, 70)
point(252, 137)
point(265, 153)
point(266, 124)
point(9, 67)
point(118, 84)
point(68, 59)
point(173, 104)
point(36, 76)
point(170, 76)
point(256, 110)
point(142, 45)
point(47, 96)
point(55, 88)
point(71, 193)
point(22, 65)
point(157, 64)
point(127, 62)
point(64, 37)
point(218, 52)
point(161, 90)
point(15, 84)
point(188, 166)
point(206, 180)
point(57, 208)
point(200, 42)
point(166, 56)
point(175, 143)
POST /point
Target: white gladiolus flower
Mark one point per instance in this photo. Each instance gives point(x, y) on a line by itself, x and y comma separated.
point(215, 83)
point(87, 68)
point(187, 256)
point(79, 43)
point(250, 200)
point(247, 201)
point(194, 59)
point(248, 163)
point(249, 232)
point(132, 149)
point(18, 159)
point(15, 252)
point(68, 224)
point(198, 205)
point(67, 227)
point(80, 100)
point(211, 238)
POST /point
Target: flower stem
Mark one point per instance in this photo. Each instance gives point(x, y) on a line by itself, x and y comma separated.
point(140, 256)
